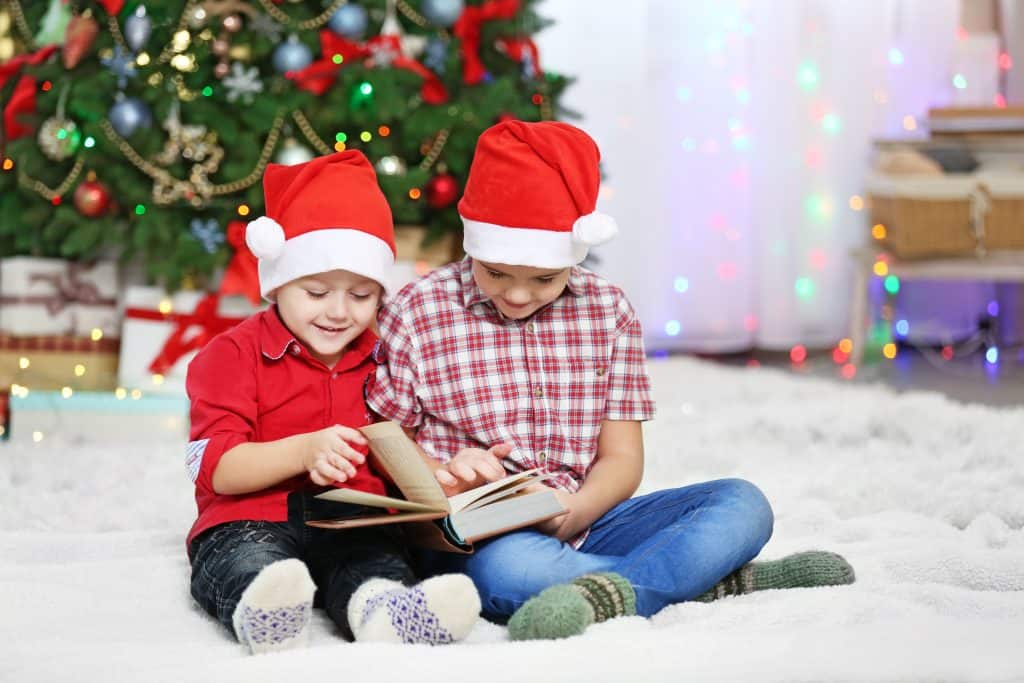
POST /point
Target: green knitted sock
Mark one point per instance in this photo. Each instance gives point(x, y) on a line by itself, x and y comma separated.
point(800, 570)
point(569, 608)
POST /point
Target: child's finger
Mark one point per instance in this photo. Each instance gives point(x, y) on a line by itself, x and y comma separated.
point(462, 471)
point(339, 462)
point(490, 470)
point(444, 477)
point(350, 454)
point(500, 450)
point(349, 434)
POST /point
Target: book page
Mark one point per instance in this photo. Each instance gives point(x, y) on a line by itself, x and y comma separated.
point(508, 491)
point(397, 455)
point(462, 501)
point(373, 500)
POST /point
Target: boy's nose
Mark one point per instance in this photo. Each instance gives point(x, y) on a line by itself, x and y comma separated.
point(338, 309)
point(517, 295)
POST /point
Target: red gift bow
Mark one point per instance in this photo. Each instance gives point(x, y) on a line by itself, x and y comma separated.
point(23, 99)
point(204, 318)
point(113, 7)
point(242, 274)
point(467, 30)
point(517, 48)
point(319, 76)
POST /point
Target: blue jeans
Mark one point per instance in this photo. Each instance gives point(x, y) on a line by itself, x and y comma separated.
point(671, 545)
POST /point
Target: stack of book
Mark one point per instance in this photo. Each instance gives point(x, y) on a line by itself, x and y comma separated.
point(976, 121)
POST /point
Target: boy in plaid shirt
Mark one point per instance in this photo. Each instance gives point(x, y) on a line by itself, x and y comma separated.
point(516, 358)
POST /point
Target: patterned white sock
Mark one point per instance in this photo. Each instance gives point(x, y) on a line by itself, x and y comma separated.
point(275, 610)
point(437, 611)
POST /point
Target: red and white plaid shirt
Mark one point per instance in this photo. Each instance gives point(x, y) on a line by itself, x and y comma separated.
point(465, 376)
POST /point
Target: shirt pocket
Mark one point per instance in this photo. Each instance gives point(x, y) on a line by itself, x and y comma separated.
point(580, 391)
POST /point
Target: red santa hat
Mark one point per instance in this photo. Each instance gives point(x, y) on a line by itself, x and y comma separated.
point(531, 195)
point(324, 214)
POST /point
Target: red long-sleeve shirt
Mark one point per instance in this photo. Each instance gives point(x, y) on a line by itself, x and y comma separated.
point(257, 383)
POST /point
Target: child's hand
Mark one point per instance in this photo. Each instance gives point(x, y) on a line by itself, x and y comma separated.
point(564, 526)
point(472, 467)
point(329, 457)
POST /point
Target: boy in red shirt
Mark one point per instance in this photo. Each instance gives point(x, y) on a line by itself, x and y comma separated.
point(275, 407)
point(520, 351)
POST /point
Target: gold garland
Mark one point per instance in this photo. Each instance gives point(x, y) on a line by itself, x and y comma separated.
point(417, 18)
point(316, 22)
point(21, 23)
point(307, 130)
point(167, 187)
point(44, 191)
point(435, 149)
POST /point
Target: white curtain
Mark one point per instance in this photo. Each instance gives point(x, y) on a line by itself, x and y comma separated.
point(736, 135)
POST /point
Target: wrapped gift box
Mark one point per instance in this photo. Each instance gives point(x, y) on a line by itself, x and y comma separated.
point(53, 297)
point(54, 362)
point(162, 332)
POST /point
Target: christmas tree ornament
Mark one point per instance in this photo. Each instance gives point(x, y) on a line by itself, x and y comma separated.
point(435, 55)
point(81, 34)
point(196, 16)
point(349, 22)
point(221, 70)
point(55, 22)
point(264, 25)
point(92, 198)
point(232, 23)
point(137, 29)
point(391, 165)
point(122, 64)
point(194, 144)
point(442, 190)
point(291, 55)
point(243, 83)
point(442, 12)
point(128, 115)
point(220, 47)
point(293, 152)
point(59, 138)
point(469, 30)
point(207, 232)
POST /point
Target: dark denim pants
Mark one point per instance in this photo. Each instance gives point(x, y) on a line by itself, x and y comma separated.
point(226, 558)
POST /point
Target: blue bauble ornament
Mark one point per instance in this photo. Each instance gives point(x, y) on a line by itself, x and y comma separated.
point(442, 12)
point(436, 55)
point(292, 55)
point(129, 115)
point(349, 22)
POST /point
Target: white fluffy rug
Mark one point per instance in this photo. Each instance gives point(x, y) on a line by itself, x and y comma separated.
point(924, 496)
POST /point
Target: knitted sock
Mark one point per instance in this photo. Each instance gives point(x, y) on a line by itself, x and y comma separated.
point(438, 611)
point(275, 610)
point(569, 608)
point(800, 570)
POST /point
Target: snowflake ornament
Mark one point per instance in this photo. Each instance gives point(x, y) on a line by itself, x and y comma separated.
point(243, 83)
point(207, 233)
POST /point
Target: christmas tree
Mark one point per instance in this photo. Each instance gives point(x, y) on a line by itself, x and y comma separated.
point(143, 128)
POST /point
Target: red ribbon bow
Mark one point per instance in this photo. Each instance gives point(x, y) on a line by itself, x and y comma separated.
point(191, 332)
point(467, 30)
point(319, 76)
point(242, 275)
point(23, 99)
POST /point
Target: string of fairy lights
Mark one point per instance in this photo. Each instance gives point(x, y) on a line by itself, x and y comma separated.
point(820, 206)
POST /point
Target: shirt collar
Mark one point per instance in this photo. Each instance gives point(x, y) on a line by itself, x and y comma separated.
point(276, 339)
point(472, 294)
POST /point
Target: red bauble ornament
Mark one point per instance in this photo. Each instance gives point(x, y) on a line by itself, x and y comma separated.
point(442, 190)
point(92, 198)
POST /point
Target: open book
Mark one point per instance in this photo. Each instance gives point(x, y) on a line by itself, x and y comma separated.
point(432, 519)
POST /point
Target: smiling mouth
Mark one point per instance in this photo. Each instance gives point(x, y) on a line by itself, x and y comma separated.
point(329, 330)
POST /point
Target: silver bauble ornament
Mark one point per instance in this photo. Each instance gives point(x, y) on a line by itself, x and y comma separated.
point(129, 115)
point(59, 138)
point(291, 55)
point(349, 22)
point(137, 29)
point(442, 12)
point(292, 152)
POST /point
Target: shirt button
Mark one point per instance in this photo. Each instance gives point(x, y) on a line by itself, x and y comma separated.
point(538, 392)
point(600, 372)
point(334, 375)
point(530, 327)
point(542, 456)
point(296, 350)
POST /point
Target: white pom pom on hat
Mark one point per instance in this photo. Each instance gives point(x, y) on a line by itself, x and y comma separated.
point(265, 238)
point(594, 228)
